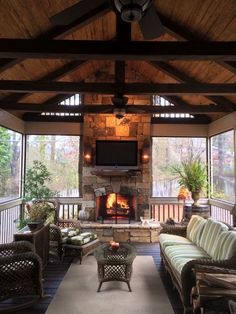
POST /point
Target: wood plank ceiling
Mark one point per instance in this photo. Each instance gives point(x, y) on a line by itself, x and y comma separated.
point(193, 65)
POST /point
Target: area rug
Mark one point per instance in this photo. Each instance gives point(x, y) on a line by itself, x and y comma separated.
point(77, 292)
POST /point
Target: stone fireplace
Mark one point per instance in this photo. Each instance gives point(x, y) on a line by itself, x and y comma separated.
point(116, 206)
point(135, 184)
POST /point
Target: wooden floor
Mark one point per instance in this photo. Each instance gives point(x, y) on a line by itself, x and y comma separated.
point(55, 273)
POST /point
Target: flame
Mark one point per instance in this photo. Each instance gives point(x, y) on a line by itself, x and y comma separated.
point(122, 201)
point(113, 200)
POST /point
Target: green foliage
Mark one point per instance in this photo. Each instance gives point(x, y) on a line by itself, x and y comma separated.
point(191, 174)
point(22, 223)
point(39, 211)
point(35, 182)
point(5, 158)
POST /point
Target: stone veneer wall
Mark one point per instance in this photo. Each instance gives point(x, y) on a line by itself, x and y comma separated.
point(107, 127)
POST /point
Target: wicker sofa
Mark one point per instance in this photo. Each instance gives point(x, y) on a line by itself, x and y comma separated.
point(202, 241)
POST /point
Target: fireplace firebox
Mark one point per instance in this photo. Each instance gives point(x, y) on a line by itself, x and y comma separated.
point(116, 206)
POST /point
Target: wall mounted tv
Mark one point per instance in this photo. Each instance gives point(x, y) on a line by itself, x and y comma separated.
point(116, 154)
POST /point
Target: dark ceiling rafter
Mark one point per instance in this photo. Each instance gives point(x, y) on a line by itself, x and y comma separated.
point(54, 75)
point(184, 78)
point(90, 108)
point(116, 50)
point(181, 33)
point(123, 33)
point(122, 88)
point(63, 30)
point(200, 119)
point(49, 118)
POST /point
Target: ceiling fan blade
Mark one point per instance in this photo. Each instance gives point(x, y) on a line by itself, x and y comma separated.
point(119, 100)
point(150, 24)
point(134, 109)
point(76, 11)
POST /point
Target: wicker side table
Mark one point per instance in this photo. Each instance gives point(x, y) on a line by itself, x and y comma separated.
point(115, 265)
point(210, 297)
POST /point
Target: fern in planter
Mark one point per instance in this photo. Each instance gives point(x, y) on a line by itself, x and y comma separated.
point(192, 175)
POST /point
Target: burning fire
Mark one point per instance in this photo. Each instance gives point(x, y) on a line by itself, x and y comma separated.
point(117, 200)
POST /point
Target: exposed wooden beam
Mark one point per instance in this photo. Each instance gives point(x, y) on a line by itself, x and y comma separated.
point(116, 50)
point(182, 33)
point(56, 74)
point(100, 108)
point(123, 33)
point(85, 17)
point(39, 118)
point(184, 78)
point(114, 88)
point(196, 120)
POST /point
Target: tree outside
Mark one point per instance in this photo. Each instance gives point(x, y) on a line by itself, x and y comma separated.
point(60, 154)
point(168, 152)
point(10, 164)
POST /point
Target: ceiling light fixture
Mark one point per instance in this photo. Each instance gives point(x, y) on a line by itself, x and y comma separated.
point(132, 10)
point(119, 112)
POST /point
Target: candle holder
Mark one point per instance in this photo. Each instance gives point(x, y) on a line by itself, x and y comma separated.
point(114, 245)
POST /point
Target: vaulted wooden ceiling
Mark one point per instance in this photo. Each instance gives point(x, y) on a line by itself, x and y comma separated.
point(192, 65)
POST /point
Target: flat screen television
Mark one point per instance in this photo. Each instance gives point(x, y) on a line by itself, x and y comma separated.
point(116, 155)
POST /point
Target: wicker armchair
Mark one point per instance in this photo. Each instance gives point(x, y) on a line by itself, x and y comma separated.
point(20, 271)
point(62, 249)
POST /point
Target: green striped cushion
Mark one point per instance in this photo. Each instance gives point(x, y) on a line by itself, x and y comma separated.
point(181, 254)
point(210, 234)
point(196, 230)
point(180, 262)
point(185, 251)
point(82, 239)
point(194, 219)
point(226, 247)
point(70, 232)
point(171, 239)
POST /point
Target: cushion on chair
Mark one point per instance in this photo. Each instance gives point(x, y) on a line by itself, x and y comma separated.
point(226, 247)
point(70, 232)
point(82, 238)
point(210, 235)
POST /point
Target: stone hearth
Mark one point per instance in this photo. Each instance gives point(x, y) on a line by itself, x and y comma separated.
point(107, 127)
point(134, 233)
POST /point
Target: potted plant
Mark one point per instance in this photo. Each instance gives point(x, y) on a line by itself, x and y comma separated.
point(192, 175)
point(38, 213)
point(37, 195)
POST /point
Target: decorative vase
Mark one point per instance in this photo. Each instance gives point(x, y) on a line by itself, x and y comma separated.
point(83, 215)
point(195, 197)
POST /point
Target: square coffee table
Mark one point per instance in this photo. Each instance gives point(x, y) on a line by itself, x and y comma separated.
point(115, 264)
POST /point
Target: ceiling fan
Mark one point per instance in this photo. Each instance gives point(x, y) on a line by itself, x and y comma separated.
point(141, 11)
point(120, 107)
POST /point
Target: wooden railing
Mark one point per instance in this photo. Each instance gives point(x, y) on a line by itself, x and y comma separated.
point(9, 219)
point(162, 209)
point(222, 212)
point(69, 210)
